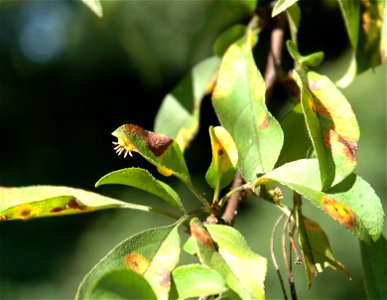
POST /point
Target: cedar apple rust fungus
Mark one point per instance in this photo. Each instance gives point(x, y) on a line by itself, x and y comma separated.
point(339, 212)
point(157, 143)
point(338, 144)
point(136, 262)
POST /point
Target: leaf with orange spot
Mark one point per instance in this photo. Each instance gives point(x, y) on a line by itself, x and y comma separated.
point(158, 149)
point(48, 201)
point(332, 126)
point(317, 252)
point(224, 159)
point(179, 113)
point(243, 270)
point(239, 102)
point(353, 203)
point(153, 254)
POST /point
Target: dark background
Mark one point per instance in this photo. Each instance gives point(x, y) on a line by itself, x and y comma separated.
point(68, 79)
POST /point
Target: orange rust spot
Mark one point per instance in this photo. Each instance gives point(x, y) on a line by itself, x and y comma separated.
point(201, 235)
point(312, 106)
point(4, 218)
point(164, 278)
point(136, 262)
point(339, 212)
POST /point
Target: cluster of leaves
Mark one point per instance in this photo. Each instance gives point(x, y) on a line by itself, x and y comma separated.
point(312, 151)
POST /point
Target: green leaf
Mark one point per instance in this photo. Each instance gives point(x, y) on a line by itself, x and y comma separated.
point(297, 144)
point(317, 252)
point(143, 180)
point(196, 280)
point(224, 159)
point(228, 37)
point(351, 14)
point(374, 261)
point(95, 6)
point(282, 5)
point(353, 203)
point(122, 284)
point(233, 261)
point(158, 149)
point(239, 102)
point(248, 266)
point(293, 14)
point(178, 116)
point(153, 254)
point(47, 201)
point(311, 60)
point(332, 126)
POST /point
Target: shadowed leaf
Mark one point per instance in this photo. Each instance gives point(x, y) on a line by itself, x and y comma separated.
point(228, 37)
point(143, 180)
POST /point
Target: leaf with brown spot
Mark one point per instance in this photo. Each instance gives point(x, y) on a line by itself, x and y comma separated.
point(153, 254)
point(158, 149)
point(46, 201)
point(352, 203)
point(332, 126)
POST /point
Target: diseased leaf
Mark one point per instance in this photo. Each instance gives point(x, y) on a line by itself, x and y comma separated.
point(153, 254)
point(374, 260)
point(352, 203)
point(248, 266)
point(178, 116)
point(228, 37)
point(239, 102)
point(95, 6)
point(282, 5)
point(365, 22)
point(158, 149)
point(47, 201)
point(143, 180)
point(122, 284)
point(196, 280)
point(224, 159)
point(332, 126)
point(225, 261)
point(317, 253)
point(297, 144)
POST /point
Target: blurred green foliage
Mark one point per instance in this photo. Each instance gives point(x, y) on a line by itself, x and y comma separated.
point(69, 78)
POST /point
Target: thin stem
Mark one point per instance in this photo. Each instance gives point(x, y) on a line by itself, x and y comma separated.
point(234, 196)
point(273, 255)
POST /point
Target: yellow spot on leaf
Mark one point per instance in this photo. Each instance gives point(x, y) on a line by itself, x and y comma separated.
point(136, 262)
point(26, 211)
point(340, 212)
